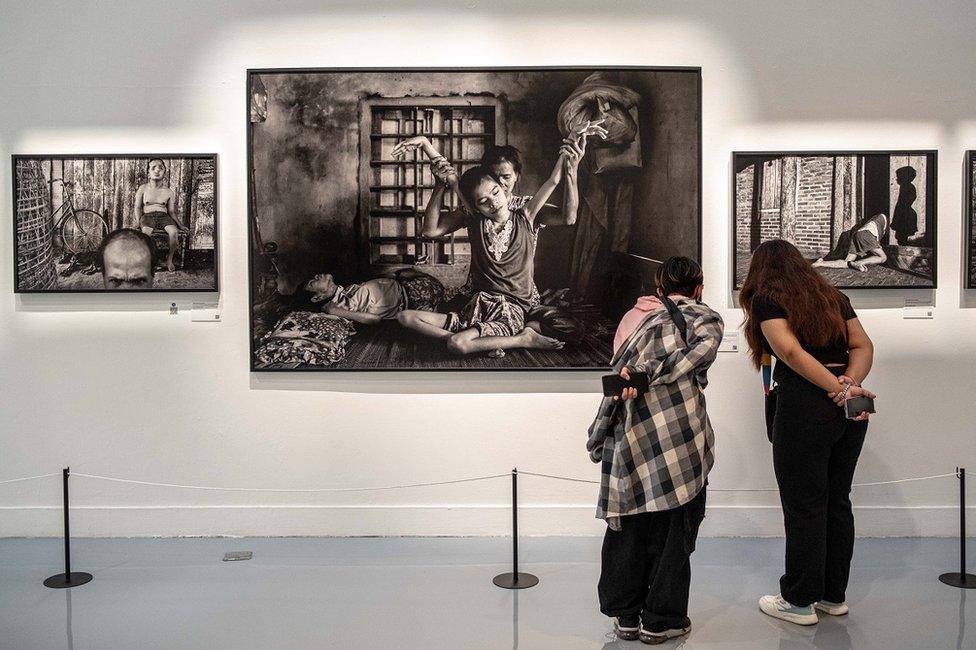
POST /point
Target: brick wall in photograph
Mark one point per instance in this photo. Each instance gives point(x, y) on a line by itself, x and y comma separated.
point(815, 181)
point(743, 207)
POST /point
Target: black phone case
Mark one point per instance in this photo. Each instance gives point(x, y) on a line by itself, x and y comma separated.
point(614, 384)
point(857, 405)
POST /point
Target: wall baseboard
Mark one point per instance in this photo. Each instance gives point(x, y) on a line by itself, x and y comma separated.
point(409, 520)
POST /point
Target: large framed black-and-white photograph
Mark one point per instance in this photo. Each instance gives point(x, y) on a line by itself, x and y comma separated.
point(125, 222)
point(970, 219)
point(866, 219)
point(463, 218)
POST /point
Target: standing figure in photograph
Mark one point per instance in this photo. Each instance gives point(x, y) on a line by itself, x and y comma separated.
point(155, 208)
point(502, 259)
point(656, 452)
point(859, 247)
point(823, 354)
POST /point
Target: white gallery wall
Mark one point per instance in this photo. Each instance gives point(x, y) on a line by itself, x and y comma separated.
point(117, 386)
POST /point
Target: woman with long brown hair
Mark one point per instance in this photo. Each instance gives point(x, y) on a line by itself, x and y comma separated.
point(823, 354)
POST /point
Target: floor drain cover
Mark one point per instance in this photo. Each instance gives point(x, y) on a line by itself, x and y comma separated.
point(234, 556)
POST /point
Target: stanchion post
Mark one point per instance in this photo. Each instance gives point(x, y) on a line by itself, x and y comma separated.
point(67, 579)
point(515, 580)
point(962, 579)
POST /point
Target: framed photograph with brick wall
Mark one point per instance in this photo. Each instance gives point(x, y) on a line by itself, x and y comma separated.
point(865, 219)
point(971, 219)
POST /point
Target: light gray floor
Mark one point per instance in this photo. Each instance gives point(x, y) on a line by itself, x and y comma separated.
point(437, 593)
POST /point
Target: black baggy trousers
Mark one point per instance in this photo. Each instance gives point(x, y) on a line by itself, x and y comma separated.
point(646, 565)
point(815, 451)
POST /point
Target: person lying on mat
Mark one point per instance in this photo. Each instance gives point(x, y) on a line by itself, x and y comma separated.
point(502, 244)
point(155, 208)
point(378, 299)
point(862, 244)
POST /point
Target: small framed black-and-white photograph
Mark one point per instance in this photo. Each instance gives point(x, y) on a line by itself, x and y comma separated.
point(125, 222)
point(970, 219)
point(470, 218)
point(866, 219)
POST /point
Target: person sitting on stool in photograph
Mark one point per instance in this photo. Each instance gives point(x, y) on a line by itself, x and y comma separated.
point(656, 451)
point(128, 260)
point(155, 208)
point(859, 247)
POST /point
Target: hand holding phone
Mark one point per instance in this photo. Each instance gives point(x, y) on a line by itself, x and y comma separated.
point(614, 385)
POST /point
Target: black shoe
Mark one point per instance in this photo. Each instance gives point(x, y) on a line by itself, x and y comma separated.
point(656, 638)
point(626, 627)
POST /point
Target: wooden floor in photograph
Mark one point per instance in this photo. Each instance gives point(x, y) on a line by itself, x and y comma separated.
point(874, 276)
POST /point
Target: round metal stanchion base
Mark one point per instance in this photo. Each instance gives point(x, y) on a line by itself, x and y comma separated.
point(961, 580)
point(513, 581)
point(74, 580)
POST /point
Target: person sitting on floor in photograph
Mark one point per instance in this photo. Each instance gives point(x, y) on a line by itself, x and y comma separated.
point(128, 260)
point(378, 299)
point(502, 261)
point(155, 208)
point(859, 247)
point(505, 163)
point(656, 451)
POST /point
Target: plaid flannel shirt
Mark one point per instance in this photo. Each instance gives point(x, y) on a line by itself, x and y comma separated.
point(656, 450)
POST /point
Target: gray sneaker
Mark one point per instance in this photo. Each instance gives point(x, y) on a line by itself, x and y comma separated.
point(626, 627)
point(656, 638)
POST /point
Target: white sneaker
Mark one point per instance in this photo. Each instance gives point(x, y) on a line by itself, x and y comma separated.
point(778, 607)
point(834, 609)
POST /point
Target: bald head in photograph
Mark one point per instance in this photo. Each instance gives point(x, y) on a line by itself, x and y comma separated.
point(128, 260)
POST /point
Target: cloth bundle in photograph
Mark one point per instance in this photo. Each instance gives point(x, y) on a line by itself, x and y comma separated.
point(306, 338)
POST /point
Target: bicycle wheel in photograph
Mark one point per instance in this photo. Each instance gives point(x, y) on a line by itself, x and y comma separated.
point(83, 231)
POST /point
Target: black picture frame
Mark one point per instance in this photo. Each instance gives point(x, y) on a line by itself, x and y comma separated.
point(252, 72)
point(969, 212)
point(931, 156)
point(116, 156)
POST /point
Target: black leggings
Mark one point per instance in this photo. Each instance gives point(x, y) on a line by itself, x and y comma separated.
point(815, 451)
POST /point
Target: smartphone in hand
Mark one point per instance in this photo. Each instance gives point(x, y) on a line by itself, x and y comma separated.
point(857, 405)
point(615, 384)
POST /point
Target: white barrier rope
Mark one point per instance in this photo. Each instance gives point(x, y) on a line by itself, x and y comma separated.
point(260, 489)
point(30, 478)
point(417, 485)
point(710, 489)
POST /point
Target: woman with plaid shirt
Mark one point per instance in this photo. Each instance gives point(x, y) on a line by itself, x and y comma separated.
point(656, 451)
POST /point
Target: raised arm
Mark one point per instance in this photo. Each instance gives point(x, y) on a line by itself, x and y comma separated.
point(571, 152)
point(422, 142)
point(438, 223)
point(539, 199)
